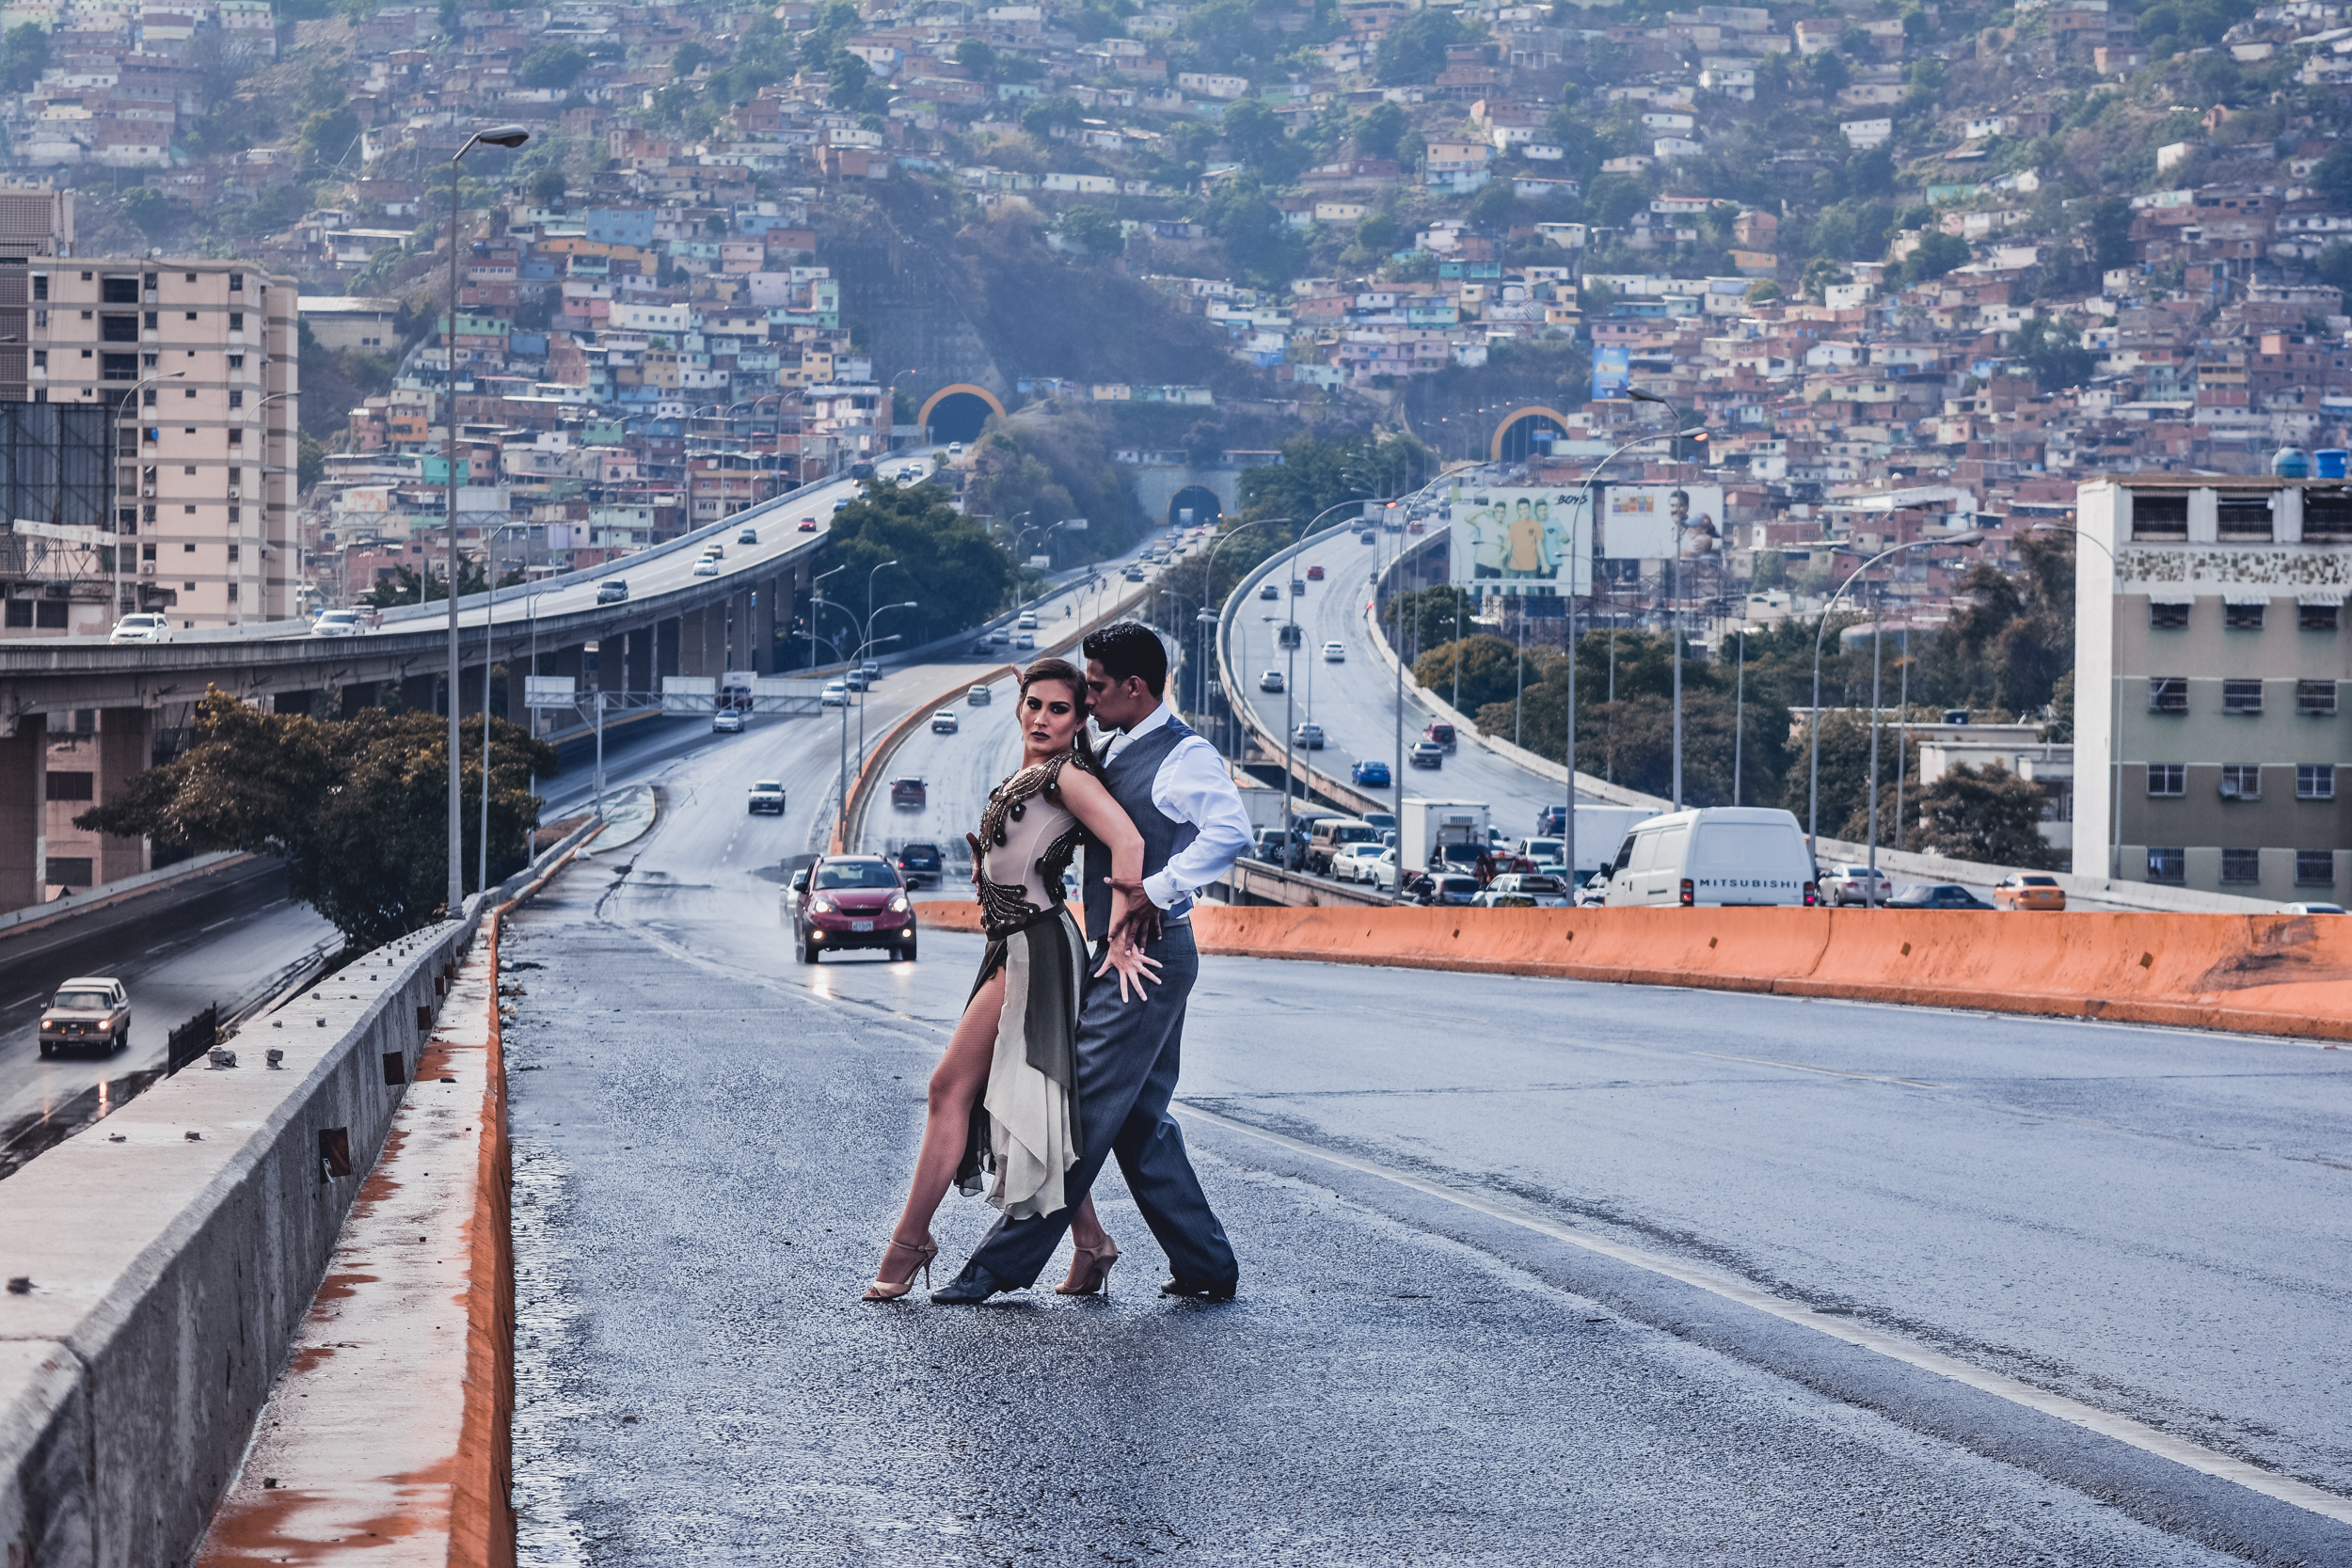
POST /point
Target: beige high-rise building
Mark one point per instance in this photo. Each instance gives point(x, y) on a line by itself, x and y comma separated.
point(200, 359)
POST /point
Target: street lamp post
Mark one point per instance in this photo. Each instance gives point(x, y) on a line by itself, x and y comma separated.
point(903, 604)
point(1208, 557)
point(1813, 783)
point(816, 597)
point(841, 829)
point(503, 135)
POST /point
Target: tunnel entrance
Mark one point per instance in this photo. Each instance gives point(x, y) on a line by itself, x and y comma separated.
point(958, 413)
point(1527, 432)
point(1201, 502)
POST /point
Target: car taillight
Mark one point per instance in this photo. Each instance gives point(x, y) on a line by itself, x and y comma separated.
point(1812, 895)
point(1689, 896)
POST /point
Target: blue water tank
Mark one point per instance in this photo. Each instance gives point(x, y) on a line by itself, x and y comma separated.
point(2328, 463)
point(2291, 463)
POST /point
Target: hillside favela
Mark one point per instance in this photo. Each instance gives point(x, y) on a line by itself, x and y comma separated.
point(1617, 729)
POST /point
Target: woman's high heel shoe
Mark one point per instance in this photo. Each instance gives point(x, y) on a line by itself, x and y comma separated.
point(1092, 1276)
point(921, 1253)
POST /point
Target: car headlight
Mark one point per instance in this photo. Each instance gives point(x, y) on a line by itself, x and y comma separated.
point(820, 906)
point(899, 903)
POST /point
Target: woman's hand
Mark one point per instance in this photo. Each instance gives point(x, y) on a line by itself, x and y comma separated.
point(1133, 965)
point(978, 855)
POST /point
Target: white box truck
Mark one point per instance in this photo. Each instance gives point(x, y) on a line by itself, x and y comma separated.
point(1430, 830)
point(1721, 856)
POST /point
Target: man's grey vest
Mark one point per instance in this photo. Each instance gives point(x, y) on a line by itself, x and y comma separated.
point(1129, 778)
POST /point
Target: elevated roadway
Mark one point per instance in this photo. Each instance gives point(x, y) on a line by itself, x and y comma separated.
point(1636, 1276)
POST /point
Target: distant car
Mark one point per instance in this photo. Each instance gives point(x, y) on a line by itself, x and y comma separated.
point(1270, 681)
point(846, 901)
point(1000, 638)
point(2029, 890)
point(614, 592)
point(727, 721)
point(1426, 753)
point(1540, 889)
point(1314, 574)
point(909, 794)
point(944, 721)
point(1372, 773)
point(1595, 893)
point(1853, 884)
point(748, 536)
point(766, 796)
point(1413, 527)
point(1309, 736)
point(714, 551)
point(331, 622)
point(2311, 909)
point(857, 680)
point(1551, 819)
point(808, 525)
point(1441, 735)
point(977, 697)
point(1271, 590)
point(871, 668)
point(1335, 653)
point(1352, 863)
point(1936, 895)
point(841, 505)
point(1298, 587)
point(1025, 640)
point(92, 1011)
point(1368, 537)
point(919, 865)
point(837, 694)
point(1451, 889)
point(141, 628)
point(1028, 621)
point(706, 567)
point(982, 647)
point(955, 449)
point(1132, 574)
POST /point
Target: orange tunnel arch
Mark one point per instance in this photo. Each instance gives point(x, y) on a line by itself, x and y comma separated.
point(1502, 431)
point(960, 388)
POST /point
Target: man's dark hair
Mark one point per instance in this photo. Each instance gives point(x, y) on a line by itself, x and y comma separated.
point(1126, 648)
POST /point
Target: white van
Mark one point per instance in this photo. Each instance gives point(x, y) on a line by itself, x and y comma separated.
point(1723, 857)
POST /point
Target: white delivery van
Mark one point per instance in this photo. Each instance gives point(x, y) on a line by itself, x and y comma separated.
point(1723, 857)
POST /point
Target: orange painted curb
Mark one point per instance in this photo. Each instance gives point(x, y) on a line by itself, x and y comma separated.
point(2275, 975)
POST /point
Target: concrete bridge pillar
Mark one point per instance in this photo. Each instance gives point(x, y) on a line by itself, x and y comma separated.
point(666, 640)
point(125, 750)
point(694, 642)
point(299, 704)
point(358, 694)
point(24, 811)
point(638, 670)
point(420, 693)
point(762, 642)
point(739, 643)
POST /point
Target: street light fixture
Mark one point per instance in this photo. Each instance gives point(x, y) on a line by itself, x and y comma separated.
point(1813, 786)
point(499, 136)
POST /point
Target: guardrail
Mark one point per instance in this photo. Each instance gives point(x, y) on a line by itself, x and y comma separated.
point(160, 1261)
point(1271, 741)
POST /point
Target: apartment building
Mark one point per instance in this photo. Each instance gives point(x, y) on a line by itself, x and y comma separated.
point(2211, 657)
point(206, 353)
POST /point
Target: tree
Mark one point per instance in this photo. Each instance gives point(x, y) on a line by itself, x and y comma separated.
point(1316, 474)
point(1938, 253)
point(1825, 70)
point(554, 65)
point(1992, 816)
point(549, 188)
point(1493, 671)
point(1257, 135)
point(1429, 616)
point(2109, 224)
point(2010, 638)
point(947, 564)
point(358, 808)
point(2053, 352)
point(1414, 51)
point(691, 56)
point(149, 208)
point(1378, 132)
point(976, 56)
point(24, 55)
point(1093, 230)
point(405, 586)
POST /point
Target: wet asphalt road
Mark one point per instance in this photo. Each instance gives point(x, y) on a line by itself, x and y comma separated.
point(712, 1140)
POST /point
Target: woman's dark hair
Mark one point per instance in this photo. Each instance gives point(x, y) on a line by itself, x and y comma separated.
point(1126, 648)
point(1071, 675)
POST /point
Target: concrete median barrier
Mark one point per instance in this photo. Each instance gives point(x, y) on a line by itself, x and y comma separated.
point(2273, 974)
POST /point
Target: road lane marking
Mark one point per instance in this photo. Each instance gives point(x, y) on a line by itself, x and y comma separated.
point(1829, 1071)
point(218, 924)
point(22, 1000)
point(2122, 1428)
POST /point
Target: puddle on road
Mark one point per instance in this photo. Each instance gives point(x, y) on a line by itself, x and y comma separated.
point(42, 1131)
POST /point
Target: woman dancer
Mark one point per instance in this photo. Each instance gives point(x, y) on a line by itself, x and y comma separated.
point(1003, 1098)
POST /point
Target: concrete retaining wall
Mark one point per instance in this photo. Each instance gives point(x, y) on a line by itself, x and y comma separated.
point(160, 1260)
point(2275, 975)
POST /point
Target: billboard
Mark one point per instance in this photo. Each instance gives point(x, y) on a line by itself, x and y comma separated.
point(1638, 522)
point(1613, 371)
point(1521, 540)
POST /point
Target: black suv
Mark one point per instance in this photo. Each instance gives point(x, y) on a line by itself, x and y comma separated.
point(918, 864)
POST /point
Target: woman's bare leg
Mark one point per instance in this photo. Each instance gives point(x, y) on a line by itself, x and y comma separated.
point(956, 1084)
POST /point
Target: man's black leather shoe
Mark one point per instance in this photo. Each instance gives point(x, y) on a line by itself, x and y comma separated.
point(971, 1287)
point(1221, 1290)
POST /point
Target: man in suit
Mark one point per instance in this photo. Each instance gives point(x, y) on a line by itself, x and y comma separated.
point(1174, 787)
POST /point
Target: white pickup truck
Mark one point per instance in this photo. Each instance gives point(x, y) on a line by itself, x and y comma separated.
point(766, 796)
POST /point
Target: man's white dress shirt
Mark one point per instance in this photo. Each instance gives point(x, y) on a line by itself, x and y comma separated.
point(1192, 786)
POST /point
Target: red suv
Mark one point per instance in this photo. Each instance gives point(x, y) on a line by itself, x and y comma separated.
point(1441, 735)
point(846, 901)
